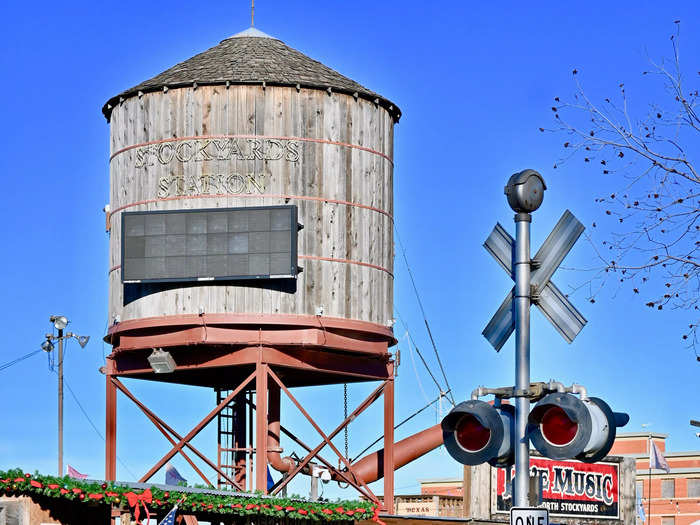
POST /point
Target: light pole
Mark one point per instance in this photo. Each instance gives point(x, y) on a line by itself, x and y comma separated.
point(60, 322)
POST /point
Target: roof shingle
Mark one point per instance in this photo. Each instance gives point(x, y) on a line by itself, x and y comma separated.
point(251, 57)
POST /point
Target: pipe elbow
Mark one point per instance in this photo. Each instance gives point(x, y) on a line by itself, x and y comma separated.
point(279, 463)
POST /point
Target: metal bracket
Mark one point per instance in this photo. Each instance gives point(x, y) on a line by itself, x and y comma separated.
point(534, 294)
point(534, 392)
point(535, 263)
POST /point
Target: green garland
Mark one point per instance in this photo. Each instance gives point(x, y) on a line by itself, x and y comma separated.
point(17, 483)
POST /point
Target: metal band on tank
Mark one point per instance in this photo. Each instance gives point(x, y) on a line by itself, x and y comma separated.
point(251, 196)
point(313, 258)
point(301, 139)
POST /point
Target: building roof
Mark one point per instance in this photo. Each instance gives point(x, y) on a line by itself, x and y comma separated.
point(645, 435)
point(252, 57)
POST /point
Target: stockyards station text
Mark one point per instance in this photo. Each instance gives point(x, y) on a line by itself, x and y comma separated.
point(214, 184)
point(216, 149)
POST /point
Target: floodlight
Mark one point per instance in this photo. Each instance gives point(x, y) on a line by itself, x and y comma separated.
point(47, 346)
point(59, 321)
point(161, 362)
point(82, 340)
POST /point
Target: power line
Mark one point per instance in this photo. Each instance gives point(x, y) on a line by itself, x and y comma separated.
point(82, 409)
point(401, 423)
point(19, 359)
point(425, 318)
point(415, 368)
point(410, 337)
point(94, 427)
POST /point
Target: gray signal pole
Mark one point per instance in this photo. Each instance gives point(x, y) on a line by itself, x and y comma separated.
point(525, 191)
point(522, 357)
point(533, 285)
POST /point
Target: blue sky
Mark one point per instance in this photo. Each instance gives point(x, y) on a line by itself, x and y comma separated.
point(474, 82)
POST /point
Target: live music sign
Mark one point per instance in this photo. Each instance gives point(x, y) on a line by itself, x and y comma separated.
point(570, 488)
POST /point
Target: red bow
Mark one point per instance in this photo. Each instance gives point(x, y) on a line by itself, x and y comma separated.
point(375, 518)
point(143, 498)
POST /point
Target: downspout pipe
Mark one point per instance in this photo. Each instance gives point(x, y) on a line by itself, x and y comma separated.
point(371, 467)
point(274, 450)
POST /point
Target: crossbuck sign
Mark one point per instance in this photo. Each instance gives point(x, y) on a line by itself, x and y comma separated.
point(553, 304)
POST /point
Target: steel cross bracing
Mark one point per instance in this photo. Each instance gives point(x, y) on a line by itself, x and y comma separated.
point(169, 433)
point(228, 468)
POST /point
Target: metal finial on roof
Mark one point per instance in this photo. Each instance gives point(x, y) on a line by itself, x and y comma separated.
point(251, 32)
point(252, 13)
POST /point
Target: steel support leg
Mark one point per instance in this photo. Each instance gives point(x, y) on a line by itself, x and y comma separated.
point(110, 431)
point(261, 428)
point(389, 445)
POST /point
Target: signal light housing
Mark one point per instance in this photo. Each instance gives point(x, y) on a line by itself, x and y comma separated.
point(562, 426)
point(475, 431)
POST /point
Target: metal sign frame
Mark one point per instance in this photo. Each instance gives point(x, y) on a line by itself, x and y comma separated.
point(539, 462)
point(294, 259)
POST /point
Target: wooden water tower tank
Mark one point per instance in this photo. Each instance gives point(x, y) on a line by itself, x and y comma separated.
point(251, 245)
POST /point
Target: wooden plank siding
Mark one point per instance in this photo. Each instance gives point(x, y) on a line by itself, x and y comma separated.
point(324, 170)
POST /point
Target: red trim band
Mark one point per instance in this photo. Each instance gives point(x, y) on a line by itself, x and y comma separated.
point(347, 261)
point(301, 139)
point(250, 196)
point(231, 319)
point(314, 258)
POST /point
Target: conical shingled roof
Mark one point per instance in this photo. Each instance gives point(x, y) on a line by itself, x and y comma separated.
point(252, 57)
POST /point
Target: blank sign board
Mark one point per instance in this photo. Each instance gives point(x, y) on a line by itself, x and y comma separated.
point(213, 244)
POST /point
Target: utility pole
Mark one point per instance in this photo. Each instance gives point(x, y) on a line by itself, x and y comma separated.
point(60, 322)
point(60, 402)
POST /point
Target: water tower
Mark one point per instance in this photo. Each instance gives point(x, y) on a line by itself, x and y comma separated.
point(251, 252)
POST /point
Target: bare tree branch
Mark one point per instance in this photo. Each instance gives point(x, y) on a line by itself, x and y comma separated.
point(649, 152)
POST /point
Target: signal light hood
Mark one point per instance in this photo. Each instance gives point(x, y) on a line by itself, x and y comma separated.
point(498, 450)
point(595, 434)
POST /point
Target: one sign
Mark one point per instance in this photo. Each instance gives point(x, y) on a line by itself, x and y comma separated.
point(546, 296)
point(212, 244)
point(570, 488)
point(528, 516)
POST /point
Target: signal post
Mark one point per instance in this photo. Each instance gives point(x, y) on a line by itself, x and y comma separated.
point(561, 425)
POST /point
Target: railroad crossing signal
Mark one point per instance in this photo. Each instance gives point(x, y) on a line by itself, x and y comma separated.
point(547, 297)
point(475, 432)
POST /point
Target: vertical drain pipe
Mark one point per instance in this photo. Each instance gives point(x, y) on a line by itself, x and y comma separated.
point(274, 450)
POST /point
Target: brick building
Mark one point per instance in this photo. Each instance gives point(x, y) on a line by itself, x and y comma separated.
point(675, 496)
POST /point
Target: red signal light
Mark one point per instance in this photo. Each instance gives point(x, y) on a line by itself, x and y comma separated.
point(557, 427)
point(472, 435)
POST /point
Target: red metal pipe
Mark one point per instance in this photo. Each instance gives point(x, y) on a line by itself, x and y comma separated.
point(371, 468)
point(274, 456)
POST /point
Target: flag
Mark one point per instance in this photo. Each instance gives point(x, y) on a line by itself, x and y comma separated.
point(270, 481)
point(172, 476)
point(657, 459)
point(640, 508)
point(169, 517)
point(74, 473)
